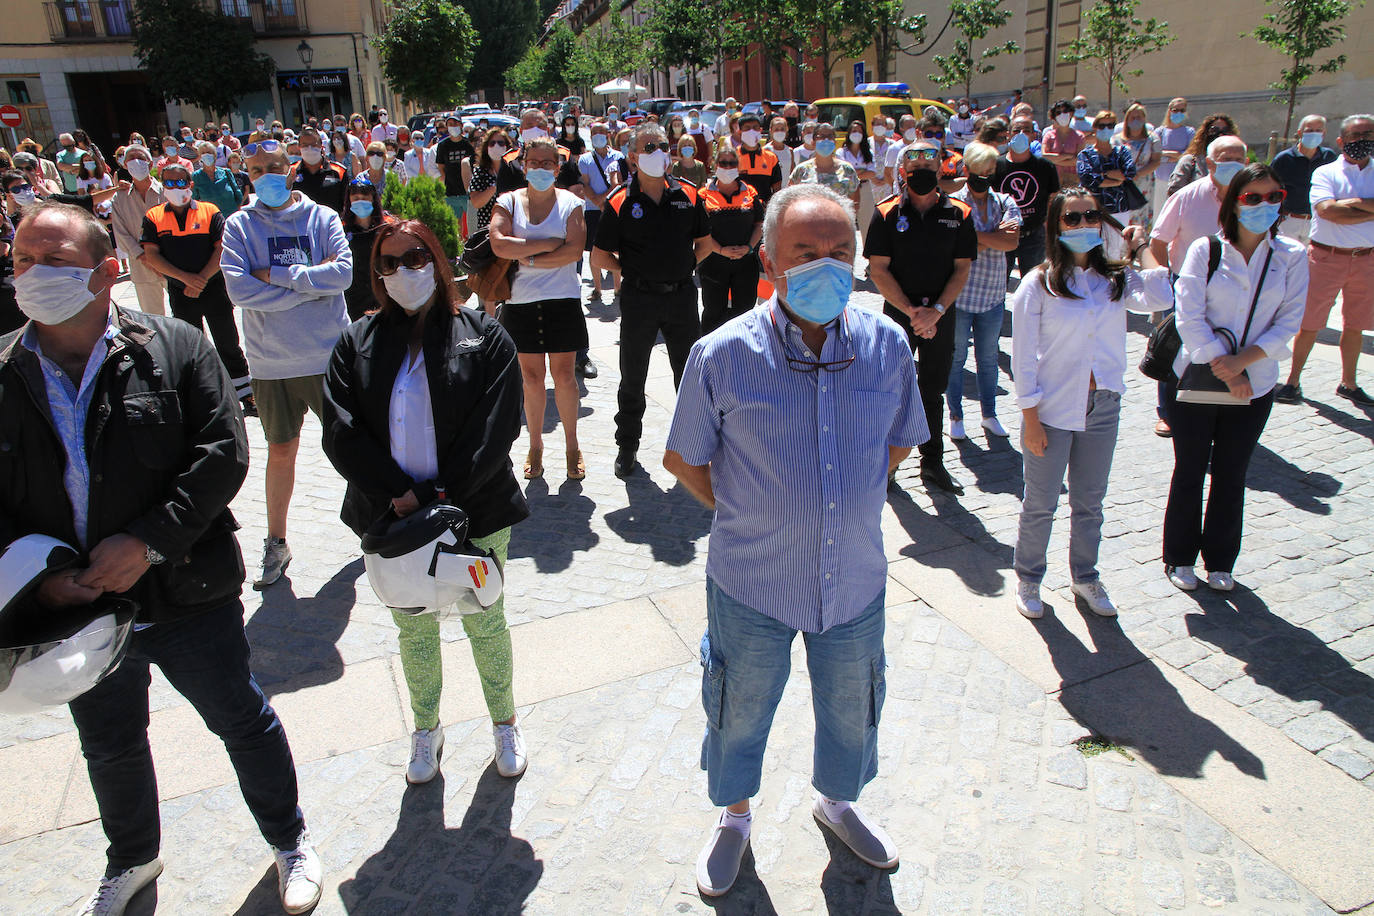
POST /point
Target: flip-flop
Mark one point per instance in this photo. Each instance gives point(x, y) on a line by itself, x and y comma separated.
point(534, 464)
point(577, 468)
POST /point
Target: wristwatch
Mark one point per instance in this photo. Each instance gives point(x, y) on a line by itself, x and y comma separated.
point(151, 556)
point(529, 262)
point(939, 309)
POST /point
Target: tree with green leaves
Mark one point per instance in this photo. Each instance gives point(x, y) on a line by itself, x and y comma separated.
point(525, 76)
point(973, 20)
point(560, 61)
point(615, 50)
point(426, 50)
point(695, 35)
point(505, 29)
point(1110, 36)
point(836, 30)
point(201, 56)
point(1301, 30)
point(894, 32)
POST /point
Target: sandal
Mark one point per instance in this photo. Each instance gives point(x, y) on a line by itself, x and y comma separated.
point(577, 468)
point(534, 463)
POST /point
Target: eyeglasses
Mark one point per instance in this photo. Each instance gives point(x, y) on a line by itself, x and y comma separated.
point(807, 365)
point(920, 154)
point(414, 259)
point(267, 146)
point(934, 134)
point(1251, 198)
point(650, 146)
point(18, 188)
point(1091, 217)
point(176, 183)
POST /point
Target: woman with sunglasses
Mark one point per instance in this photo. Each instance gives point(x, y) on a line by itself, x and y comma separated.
point(362, 217)
point(1257, 295)
point(1069, 362)
point(422, 402)
point(541, 228)
point(479, 176)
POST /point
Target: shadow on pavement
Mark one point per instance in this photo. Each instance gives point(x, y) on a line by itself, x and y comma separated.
point(1282, 656)
point(1305, 490)
point(670, 522)
point(560, 525)
point(748, 896)
point(1138, 707)
point(996, 467)
point(852, 886)
point(293, 638)
point(982, 578)
point(427, 867)
point(1345, 418)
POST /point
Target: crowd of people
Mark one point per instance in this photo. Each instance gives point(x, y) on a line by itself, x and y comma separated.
point(739, 241)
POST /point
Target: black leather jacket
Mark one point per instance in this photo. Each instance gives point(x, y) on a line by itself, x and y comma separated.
point(167, 452)
point(477, 397)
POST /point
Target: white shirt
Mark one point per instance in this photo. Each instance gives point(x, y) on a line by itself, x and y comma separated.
point(1341, 180)
point(356, 147)
point(536, 284)
point(413, 162)
point(884, 156)
point(961, 131)
point(410, 421)
point(1187, 216)
point(1058, 342)
point(784, 154)
point(383, 132)
point(858, 161)
point(1225, 303)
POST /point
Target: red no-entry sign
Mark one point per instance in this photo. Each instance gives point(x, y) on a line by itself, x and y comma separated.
point(10, 116)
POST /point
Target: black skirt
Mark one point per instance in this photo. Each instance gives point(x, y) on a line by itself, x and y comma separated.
point(547, 326)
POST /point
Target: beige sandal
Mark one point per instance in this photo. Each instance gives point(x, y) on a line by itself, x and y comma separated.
point(577, 468)
point(534, 463)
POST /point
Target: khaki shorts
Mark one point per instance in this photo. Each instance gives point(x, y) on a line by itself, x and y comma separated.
point(282, 403)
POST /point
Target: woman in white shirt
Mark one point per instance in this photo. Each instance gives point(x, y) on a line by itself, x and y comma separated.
point(541, 228)
point(1069, 363)
point(1253, 255)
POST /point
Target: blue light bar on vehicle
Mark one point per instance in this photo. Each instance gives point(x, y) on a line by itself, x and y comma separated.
point(900, 90)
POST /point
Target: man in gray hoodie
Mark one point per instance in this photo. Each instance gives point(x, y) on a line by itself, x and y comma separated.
point(286, 263)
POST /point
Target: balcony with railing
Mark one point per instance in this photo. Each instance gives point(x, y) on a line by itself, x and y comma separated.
point(89, 20)
point(268, 17)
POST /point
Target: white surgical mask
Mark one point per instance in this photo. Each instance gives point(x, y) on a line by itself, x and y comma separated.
point(654, 164)
point(411, 287)
point(390, 155)
point(779, 136)
point(909, 135)
point(311, 155)
point(177, 197)
point(25, 198)
point(1063, 119)
point(455, 132)
point(207, 159)
point(750, 137)
point(727, 176)
point(376, 161)
point(138, 168)
point(51, 295)
point(382, 118)
point(879, 131)
point(855, 137)
point(599, 141)
point(533, 133)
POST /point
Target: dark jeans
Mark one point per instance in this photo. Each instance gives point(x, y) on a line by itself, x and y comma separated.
point(729, 288)
point(934, 357)
point(1223, 438)
point(1029, 253)
point(205, 658)
point(212, 307)
point(642, 316)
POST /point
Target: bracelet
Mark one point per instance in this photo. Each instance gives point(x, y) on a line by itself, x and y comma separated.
point(1136, 253)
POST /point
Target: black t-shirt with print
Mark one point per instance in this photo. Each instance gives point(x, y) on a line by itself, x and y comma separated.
point(450, 153)
point(1030, 184)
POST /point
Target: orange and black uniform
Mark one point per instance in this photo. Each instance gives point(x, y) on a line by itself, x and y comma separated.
point(760, 168)
point(187, 239)
point(923, 249)
point(656, 242)
point(326, 186)
point(729, 286)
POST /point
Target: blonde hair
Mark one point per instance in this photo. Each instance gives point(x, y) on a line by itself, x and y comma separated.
point(979, 155)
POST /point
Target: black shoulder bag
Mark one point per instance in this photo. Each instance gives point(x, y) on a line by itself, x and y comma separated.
point(1162, 347)
point(1199, 384)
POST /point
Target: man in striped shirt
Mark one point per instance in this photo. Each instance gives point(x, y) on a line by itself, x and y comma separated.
point(788, 422)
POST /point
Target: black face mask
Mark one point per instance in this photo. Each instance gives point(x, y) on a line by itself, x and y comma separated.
point(979, 183)
point(922, 182)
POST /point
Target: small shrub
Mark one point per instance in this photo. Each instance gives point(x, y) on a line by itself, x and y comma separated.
point(422, 198)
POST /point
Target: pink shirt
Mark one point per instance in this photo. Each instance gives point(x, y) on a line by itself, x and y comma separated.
point(1072, 145)
point(1188, 215)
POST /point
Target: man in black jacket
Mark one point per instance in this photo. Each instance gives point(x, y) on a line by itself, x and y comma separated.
point(120, 435)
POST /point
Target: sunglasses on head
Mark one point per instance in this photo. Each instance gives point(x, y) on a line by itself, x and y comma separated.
point(1077, 218)
point(920, 154)
point(651, 146)
point(176, 182)
point(267, 146)
point(415, 258)
point(1251, 198)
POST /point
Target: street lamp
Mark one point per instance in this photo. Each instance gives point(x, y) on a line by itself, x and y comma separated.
point(307, 54)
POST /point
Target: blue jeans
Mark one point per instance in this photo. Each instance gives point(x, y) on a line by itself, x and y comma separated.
point(746, 658)
point(205, 658)
point(986, 329)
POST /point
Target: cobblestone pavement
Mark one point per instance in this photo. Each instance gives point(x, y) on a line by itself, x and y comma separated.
point(995, 808)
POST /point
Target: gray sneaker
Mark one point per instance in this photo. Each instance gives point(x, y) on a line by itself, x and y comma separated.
point(865, 839)
point(276, 556)
point(718, 863)
point(114, 893)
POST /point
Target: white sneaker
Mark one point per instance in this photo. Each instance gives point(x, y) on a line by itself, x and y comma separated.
point(1028, 600)
point(956, 429)
point(1220, 581)
point(424, 755)
point(114, 894)
point(1182, 576)
point(276, 556)
point(1096, 597)
point(300, 876)
point(994, 427)
point(510, 750)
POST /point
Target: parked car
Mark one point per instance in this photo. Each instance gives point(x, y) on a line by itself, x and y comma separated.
point(656, 107)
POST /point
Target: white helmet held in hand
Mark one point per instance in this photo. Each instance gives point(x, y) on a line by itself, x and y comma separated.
point(423, 563)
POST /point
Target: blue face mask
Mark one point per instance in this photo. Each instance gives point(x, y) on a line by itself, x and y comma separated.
point(271, 189)
point(1311, 139)
point(818, 291)
point(1019, 144)
point(1081, 240)
point(294, 159)
point(361, 208)
point(599, 141)
point(1225, 171)
point(1258, 218)
point(1105, 134)
point(825, 147)
point(1177, 117)
point(541, 179)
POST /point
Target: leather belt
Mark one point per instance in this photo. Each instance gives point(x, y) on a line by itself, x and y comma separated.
point(1348, 252)
point(1298, 215)
point(661, 289)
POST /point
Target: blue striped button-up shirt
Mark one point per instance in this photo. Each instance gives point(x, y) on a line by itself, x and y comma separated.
point(798, 459)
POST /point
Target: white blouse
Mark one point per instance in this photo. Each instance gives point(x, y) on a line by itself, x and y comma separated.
point(1225, 303)
point(1058, 342)
point(411, 421)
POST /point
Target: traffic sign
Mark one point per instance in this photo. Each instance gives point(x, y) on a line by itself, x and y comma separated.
point(10, 116)
point(858, 72)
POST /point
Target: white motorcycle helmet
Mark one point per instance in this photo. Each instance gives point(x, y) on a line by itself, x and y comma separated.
point(51, 656)
point(424, 564)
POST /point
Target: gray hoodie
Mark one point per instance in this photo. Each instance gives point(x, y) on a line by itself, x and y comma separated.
point(290, 324)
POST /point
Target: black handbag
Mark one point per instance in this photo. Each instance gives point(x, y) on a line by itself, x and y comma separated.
point(1132, 195)
point(1199, 384)
point(1162, 348)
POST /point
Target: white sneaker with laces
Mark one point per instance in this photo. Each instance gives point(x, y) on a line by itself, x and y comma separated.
point(300, 876)
point(1028, 600)
point(424, 755)
point(1096, 597)
point(1182, 576)
point(114, 894)
point(994, 427)
point(276, 556)
point(956, 429)
point(1220, 581)
point(510, 750)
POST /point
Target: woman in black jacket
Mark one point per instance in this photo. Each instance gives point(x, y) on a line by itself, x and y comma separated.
point(423, 398)
point(361, 220)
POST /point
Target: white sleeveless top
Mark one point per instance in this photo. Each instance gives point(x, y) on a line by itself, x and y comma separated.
point(535, 284)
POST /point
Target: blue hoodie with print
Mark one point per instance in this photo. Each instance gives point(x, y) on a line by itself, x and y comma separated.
point(290, 325)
